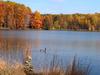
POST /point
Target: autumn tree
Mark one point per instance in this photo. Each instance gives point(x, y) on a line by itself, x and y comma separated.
point(14, 15)
point(18, 16)
point(47, 22)
point(1, 14)
point(36, 20)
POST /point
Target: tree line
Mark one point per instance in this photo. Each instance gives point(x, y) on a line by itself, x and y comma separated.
point(18, 16)
point(85, 22)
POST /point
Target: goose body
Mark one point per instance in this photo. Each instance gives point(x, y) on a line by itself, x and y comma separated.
point(43, 50)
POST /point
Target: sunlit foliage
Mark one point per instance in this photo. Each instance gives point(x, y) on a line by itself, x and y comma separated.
point(18, 16)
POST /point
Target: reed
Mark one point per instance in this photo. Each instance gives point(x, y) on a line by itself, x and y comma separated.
point(76, 68)
point(55, 68)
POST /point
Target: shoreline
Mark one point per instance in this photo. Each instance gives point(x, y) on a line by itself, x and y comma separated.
point(47, 30)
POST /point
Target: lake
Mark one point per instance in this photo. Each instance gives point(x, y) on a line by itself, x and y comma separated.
point(15, 45)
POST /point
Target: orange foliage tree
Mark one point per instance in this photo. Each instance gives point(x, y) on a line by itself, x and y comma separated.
point(14, 15)
point(36, 20)
point(1, 14)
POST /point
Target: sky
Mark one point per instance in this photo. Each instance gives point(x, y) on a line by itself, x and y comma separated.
point(62, 6)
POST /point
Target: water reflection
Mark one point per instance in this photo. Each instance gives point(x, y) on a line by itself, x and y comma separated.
point(14, 49)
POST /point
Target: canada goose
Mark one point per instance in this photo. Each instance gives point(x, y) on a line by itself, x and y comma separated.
point(43, 50)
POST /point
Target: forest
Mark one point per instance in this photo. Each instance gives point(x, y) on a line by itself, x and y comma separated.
point(16, 16)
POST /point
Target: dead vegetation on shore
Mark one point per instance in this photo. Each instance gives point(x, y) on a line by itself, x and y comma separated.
point(75, 68)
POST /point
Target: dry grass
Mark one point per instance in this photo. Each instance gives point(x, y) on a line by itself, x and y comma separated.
point(55, 68)
point(7, 69)
point(74, 69)
point(77, 69)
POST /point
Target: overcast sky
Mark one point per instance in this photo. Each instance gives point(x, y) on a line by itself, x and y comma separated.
point(62, 6)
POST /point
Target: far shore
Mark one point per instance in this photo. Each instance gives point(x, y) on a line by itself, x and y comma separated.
point(27, 29)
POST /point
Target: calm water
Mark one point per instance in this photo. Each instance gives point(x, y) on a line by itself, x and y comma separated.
point(15, 45)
